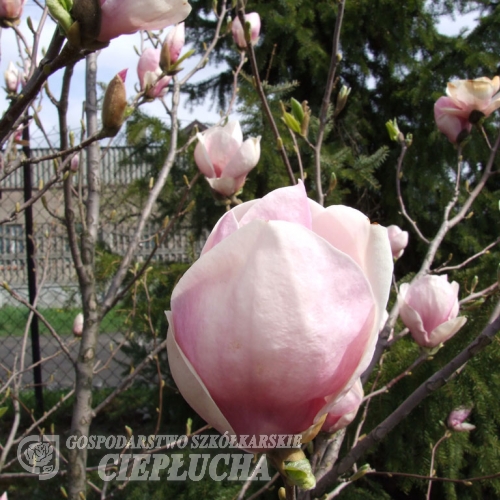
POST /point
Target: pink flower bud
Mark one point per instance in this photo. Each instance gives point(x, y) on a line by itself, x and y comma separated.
point(123, 17)
point(343, 410)
point(398, 240)
point(4, 496)
point(75, 163)
point(280, 315)
point(172, 46)
point(148, 71)
point(11, 76)
point(239, 33)
point(11, 10)
point(429, 308)
point(78, 325)
point(224, 159)
point(456, 420)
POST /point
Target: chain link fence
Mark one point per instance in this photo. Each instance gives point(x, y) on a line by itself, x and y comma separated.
point(56, 281)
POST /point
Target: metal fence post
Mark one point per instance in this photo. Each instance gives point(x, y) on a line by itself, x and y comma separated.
point(30, 261)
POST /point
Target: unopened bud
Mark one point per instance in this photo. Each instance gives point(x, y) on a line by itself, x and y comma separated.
point(297, 110)
point(75, 162)
point(474, 283)
point(114, 105)
point(78, 325)
point(394, 132)
point(342, 99)
point(60, 12)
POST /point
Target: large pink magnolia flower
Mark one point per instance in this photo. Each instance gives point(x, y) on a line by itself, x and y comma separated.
point(224, 159)
point(123, 17)
point(280, 315)
point(467, 101)
point(11, 10)
point(148, 71)
point(429, 308)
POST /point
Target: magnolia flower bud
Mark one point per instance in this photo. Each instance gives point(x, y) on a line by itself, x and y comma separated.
point(239, 33)
point(224, 159)
point(11, 76)
point(78, 325)
point(114, 104)
point(148, 71)
point(75, 163)
point(172, 47)
point(398, 240)
point(429, 308)
point(342, 411)
point(456, 420)
point(11, 11)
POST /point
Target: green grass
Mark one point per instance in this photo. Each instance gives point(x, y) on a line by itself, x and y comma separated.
point(13, 320)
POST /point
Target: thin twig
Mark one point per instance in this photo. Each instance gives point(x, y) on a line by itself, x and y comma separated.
point(447, 434)
point(325, 105)
point(265, 104)
point(399, 168)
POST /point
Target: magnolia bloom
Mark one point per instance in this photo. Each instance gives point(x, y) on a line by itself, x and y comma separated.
point(4, 496)
point(224, 159)
point(467, 101)
point(123, 17)
point(429, 308)
point(398, 240)
point(148, 71)
point(239, 33)
point(78, 325)
point(11, 10)
point(173, 45)
point(343, 410)
point(280, 315)
point(456, 420)
point(454, 126)
point(11, 75)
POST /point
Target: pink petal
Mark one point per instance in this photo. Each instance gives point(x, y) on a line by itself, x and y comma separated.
point(190, 385)
point(286, 204)
point(202, 158)
point(244, 160)
point(227, 224)
point(123, 17)
point(248, 311)
point(446, 330)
